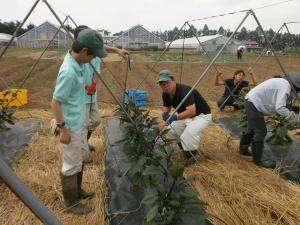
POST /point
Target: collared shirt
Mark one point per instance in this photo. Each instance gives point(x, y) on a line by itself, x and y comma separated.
point(70, 92)
point(271, 97)
point(88, 77)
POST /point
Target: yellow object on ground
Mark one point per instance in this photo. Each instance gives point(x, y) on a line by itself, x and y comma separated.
point(15, 97)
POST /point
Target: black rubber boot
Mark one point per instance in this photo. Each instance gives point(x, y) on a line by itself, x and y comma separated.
point(82, 193)
point(257, 151)
point(245, 141)
point(87, 158)
point(71, 197)
point(91, 147)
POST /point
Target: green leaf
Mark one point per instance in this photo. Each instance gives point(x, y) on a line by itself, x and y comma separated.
point(150, 198)
point(142, 161)
point(281, 132)
point(197, 215)
point(160, 188)
point(152, 213)
point(177, 169)
point(137, 178)
point(10, 121)
point(135, 168)
point(189, 192)
point(272, 140)
point(179, 221)
point(175, 203)
point(151, 170)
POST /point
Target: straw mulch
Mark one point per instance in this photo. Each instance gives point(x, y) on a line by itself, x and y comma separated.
point(236, 191)
point(38, 167)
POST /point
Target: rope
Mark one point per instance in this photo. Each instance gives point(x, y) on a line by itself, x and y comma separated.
point(275, 55)
point(182, 54)
point(207, 55)
point(206, 70)
point(112, 74)
point(240, 11)
point(159, 58)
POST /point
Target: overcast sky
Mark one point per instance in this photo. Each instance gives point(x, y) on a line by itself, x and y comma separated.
point(117, 15)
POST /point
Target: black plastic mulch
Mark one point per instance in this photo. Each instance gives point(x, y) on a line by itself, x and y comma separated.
point(17, 137)
point(125, 198)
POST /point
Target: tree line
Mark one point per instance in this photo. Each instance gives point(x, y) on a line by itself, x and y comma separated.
point(283, 40)
point(10, 27)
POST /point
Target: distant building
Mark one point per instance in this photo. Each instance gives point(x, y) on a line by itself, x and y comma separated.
point(251, 46)
point(5, 38)
point(210, 43)
point(40, 36)
point(107, 38)
point(137, 37)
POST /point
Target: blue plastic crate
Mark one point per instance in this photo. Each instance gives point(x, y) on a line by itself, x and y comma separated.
point(138, 97)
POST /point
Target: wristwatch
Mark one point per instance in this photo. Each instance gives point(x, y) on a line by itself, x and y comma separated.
point(61, 125)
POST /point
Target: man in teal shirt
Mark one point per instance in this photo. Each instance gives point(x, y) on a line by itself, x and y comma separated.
point(92, 112)
point(68, 104)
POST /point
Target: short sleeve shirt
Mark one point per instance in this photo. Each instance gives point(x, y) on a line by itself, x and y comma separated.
point(70, 92)
point(194, 98)
point(232, 86)
point(88, 73)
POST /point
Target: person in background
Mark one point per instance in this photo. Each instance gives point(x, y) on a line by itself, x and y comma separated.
point(239, 54)
point(233, 85)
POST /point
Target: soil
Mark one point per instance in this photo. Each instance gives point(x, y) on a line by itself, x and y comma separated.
point(42, 81)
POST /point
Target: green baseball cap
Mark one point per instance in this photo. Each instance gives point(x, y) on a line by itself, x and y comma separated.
point(93, 40)
point(164, 75)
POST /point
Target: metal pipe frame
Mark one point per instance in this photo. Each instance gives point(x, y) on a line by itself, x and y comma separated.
point(18, 28)
point(207, 68)
point(207, 55)
point(95, 71)
point(26, 195)
point(145, 77)
point(275, 55)
point(37, 61)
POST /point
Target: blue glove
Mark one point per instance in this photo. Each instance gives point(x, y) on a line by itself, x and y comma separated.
point(173, 118)
point(165, 116)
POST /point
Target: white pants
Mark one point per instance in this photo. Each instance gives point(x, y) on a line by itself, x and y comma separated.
point(92, 120)
point(72, 155)
point(188, 131)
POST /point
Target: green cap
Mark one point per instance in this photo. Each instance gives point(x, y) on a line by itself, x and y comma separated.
point(93, 40)
point(164, 75)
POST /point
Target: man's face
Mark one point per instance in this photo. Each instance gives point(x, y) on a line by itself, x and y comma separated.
point(167, 86)
point(85, 58)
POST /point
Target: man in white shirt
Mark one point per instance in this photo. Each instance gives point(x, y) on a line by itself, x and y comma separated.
point(268, 98)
